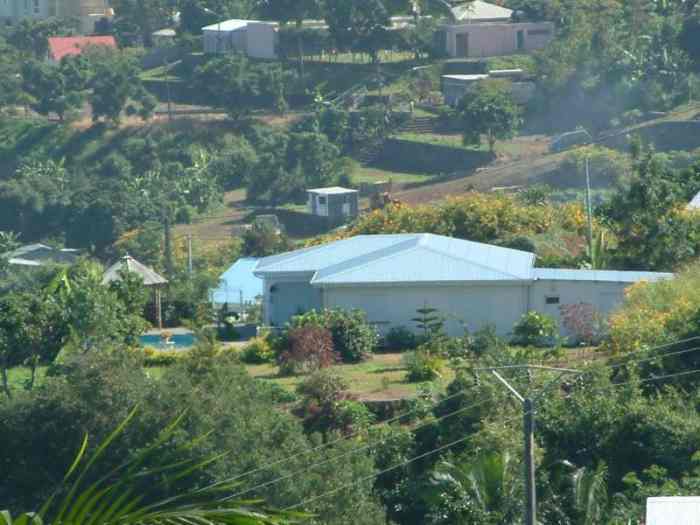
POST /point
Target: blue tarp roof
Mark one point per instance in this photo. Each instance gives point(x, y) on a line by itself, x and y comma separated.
point(238, 282)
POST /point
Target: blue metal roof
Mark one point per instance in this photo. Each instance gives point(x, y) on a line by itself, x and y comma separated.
point(402, 258)
point(238, 283)
point(556, 274)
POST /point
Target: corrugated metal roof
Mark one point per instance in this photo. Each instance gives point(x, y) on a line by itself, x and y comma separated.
point(233, 24)
point(332, 190)
point(128, 263)
point(238, 283)
point(402, 258)
point(556, 274)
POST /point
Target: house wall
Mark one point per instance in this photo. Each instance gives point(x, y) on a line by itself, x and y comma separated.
point(284, 298)
point(605, 297)
point(499, 305)
point(87, 11)
point(261, 40)
point(489, 39)
point(224, 41)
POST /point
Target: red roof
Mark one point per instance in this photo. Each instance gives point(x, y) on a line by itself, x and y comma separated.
point(60, 46)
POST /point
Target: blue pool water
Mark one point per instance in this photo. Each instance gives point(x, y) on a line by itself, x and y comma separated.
point(177, 341)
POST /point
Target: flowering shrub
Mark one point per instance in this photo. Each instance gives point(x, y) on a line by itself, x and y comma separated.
point(534, 328)
point(656, 313)
point(310, 349)
point(353, 338)
point(583, 322)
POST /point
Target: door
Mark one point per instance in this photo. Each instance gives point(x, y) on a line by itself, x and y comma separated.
point(462, 44)
point(520, 40)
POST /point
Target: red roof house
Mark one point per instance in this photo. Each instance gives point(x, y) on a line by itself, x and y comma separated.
point(60, 46)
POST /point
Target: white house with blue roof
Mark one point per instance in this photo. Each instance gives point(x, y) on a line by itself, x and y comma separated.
point(390, 276)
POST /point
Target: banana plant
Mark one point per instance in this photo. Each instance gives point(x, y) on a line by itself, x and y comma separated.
point(125, 495)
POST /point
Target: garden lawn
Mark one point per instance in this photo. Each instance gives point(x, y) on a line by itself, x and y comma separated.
point(381, 377)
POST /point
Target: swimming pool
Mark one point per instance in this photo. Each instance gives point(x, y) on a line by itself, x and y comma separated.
point(176, 341)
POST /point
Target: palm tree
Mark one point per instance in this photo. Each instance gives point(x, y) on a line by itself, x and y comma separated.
point(489, 480)
point(121, 497)
point(585, 500)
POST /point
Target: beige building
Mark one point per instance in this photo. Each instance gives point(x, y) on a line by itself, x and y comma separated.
point(87, 11)
point(480, 29)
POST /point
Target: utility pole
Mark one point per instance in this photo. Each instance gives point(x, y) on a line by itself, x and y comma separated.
point(589, 207)
point(189, 253)
point(528, 405)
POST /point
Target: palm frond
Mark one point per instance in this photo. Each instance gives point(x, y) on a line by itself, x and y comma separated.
point(128, 493)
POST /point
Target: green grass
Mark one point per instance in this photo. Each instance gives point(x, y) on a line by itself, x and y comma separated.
point(370, 174)
point(381, 377)
point(451, 141)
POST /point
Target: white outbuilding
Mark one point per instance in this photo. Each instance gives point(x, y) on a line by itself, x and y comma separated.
point(255, 39)
point(390, 276)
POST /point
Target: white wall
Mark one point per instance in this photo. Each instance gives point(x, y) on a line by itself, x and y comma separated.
point(290, 297)
point(605, 297)
point(499, 38)
point(224, 41)
point(261, 39)
point(387, 306)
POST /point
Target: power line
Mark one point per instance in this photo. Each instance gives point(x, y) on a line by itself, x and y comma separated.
point(408, 414)
point(461, 440)
point(356, 450)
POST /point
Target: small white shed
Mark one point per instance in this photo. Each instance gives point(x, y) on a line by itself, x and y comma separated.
point(254, 38)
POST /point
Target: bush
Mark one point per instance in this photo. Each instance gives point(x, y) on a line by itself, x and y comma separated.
point(534, 329)
point(485, 340)
point(327, 406)
point(310, 349)
point(228, 331)
point(156, 357)
point(423, 365)
point(400, 338)
point(583, 322)
point(353, 338)
point(258, 351)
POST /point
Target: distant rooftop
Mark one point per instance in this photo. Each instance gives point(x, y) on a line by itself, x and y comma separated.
point(332, 190)
point(478, 11)
point(238, 283)
point(38, 254)
point(60, 46)
point(233, 24)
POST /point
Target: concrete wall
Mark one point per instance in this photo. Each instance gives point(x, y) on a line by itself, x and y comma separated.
point(261, 40)
point(605, 297)
point(475, 306)
point(283, 299)
point(490, 39)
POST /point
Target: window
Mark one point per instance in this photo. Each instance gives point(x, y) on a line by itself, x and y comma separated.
point(521, 40)
point(36, 6)
point(552, 299)
point(322, 200)
point(538, 32)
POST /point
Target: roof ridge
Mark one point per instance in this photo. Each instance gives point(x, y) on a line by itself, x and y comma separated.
point(392, 250)
point(470, 261)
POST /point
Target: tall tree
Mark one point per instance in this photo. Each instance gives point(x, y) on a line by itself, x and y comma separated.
point(143, 16)
point(361, 25)
point(490, 111)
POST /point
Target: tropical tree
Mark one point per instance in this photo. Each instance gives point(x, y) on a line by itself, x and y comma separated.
point(583, 493)
point(51, 88)
point(361, 25)
point(489, 111)
point(125, 495)
point(488, 481)
point(228, 82)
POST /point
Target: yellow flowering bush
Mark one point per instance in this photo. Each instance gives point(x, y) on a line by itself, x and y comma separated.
point(656, 313)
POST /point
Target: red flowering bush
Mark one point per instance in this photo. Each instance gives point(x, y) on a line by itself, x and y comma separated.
point(310, 349)
point(583, 322)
